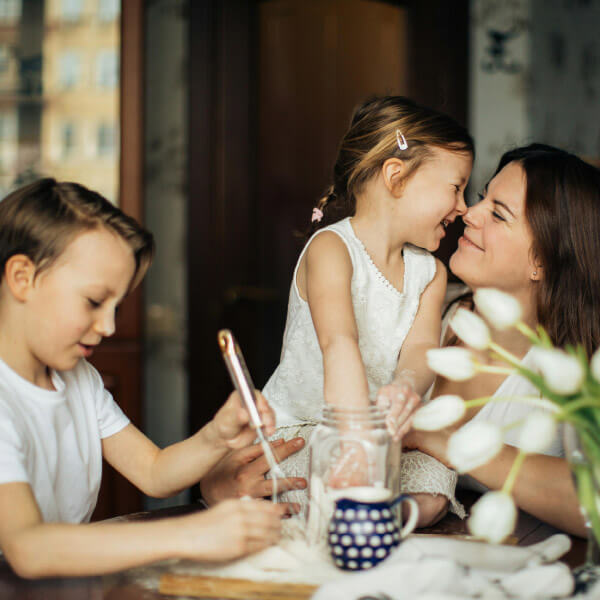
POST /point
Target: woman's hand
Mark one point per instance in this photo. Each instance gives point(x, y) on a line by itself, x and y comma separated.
point(433, 443)
point(231, 424)
point(230, 530)
point(242, 473)
point(399, 401)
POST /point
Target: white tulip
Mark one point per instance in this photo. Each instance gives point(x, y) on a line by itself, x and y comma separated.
point(537, 432)
point(456, 364)
point(501, 309)
point(439, 413)
point(471, 329)
point(473, 445)
point(595, 365)
point(493, 517)
point(562, 372)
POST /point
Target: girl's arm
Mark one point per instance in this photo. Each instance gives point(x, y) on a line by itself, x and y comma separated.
point(424, 333)
point(37, 549)
point(161, 473)
point(328, 280)
point(544, 487)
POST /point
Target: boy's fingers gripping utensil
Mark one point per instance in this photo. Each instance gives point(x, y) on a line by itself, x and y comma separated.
point(236, 365)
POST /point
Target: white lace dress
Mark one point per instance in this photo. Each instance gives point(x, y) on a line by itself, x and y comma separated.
point(384, 315)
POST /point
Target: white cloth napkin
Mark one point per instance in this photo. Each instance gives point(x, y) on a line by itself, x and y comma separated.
point(436, 568)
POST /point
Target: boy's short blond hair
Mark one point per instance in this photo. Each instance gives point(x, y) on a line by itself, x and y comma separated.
point(41, 219)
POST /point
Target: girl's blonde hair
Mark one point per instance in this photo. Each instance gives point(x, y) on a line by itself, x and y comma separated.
point(39, 220)
point(375, 128)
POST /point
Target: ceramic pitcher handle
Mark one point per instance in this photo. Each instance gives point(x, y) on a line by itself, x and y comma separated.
point(414, 514)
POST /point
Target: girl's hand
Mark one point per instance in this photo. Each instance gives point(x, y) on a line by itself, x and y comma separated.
point(230, 530)
point(232, 423)
point(352, 467)
point(399, 400)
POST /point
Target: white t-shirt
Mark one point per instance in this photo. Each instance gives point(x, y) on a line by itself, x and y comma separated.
point(51, 439)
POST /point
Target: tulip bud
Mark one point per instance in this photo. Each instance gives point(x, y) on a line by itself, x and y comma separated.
point(473, 445)
point(493, 517)
point(537, 432)
point(456, 364)
point(562, 372)
point(439, 413)
point(471, 329)
point(500, 309)
point(595, 365)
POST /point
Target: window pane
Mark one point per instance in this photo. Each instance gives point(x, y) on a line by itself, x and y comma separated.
point(59, 93)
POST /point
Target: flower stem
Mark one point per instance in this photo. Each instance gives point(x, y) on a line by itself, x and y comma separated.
point(514, 470)
point(580, 403)
point(532, 400)
point(505, 354)
point(528, 332)
point(494, 369)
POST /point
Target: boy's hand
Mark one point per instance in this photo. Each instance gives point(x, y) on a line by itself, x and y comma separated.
point(231, 424)
point(399, 400)
point(231, 530)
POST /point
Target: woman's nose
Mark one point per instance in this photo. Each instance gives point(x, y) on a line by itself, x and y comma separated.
point(472, 216)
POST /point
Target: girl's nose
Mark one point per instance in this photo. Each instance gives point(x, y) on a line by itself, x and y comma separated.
point(461, 206)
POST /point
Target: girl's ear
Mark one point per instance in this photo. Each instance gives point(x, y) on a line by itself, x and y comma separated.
point(19, 274)
point(393, 171)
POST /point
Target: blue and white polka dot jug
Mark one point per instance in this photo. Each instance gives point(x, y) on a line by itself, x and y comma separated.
point(363, 531)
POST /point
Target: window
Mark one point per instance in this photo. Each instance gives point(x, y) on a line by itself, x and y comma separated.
point(106, 139)
point(67, 139)
point(107, 69)
point(108, 10)
point(71, 10)
point(68, 70)
point(10, 11)
point(4, 59)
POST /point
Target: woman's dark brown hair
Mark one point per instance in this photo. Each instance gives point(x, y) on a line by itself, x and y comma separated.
point(372, 138)
point(562, 208)
point(39, 220)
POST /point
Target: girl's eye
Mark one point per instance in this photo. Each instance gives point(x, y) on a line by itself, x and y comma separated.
point(94, 303)
point(457, 187)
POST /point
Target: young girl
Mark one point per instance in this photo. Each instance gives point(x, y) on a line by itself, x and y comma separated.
point(366, 296)
point(68, 259)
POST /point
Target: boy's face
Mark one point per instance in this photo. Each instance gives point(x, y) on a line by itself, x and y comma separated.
point(71, 305)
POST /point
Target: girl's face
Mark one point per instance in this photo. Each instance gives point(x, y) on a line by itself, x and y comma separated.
point(434, 196)
point(71, 305)
point(495, 249)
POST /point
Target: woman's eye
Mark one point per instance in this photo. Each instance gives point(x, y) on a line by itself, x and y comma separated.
point(480, 196)
point(498, 216)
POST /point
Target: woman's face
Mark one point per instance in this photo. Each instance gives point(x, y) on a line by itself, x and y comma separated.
point(495, 249)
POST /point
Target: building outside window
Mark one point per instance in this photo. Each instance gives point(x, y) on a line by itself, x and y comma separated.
point(69, 69)
point(67, 139)
point(108, 10)
point(107, 70)
point(70, 10)
point(106, 139)
point(10, 11)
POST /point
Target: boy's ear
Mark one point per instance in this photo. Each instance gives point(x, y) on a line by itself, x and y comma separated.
point(19, 274)
point(393, 171)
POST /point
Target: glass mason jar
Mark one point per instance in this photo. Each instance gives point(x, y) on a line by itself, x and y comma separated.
point(349, 448)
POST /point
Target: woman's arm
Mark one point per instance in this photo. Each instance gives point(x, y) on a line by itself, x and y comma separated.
point(37, 549)
point(328, 277)
point(543, 488)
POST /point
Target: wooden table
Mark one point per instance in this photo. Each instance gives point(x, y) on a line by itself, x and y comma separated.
point(123, 585)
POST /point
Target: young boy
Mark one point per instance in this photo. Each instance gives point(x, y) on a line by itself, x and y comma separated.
point(67, 259)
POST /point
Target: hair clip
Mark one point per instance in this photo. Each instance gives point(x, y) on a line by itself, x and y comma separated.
point(401, 140)
point(317, 215)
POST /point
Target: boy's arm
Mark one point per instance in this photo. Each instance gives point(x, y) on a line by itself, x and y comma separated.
point(328, 281)
point(424, 333)
point(37, 549)
point(161, 473)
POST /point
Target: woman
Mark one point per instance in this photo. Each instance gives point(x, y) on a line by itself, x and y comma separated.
point(536, 235)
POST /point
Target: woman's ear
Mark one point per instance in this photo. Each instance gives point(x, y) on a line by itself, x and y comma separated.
point(19, 275)
point(393, 172)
